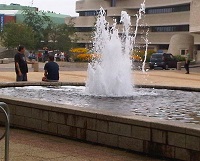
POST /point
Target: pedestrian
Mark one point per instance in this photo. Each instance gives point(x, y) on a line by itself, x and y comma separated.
point(45, 54)
point(51, 70)
point(187, 62)
point(21, 67)
point(62, 56)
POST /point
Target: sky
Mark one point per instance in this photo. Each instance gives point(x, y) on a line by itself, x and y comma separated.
point(58, 6)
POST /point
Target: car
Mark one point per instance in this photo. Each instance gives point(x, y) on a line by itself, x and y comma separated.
point(162, 60)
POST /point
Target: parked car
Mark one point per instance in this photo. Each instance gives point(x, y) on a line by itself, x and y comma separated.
point(163, 60)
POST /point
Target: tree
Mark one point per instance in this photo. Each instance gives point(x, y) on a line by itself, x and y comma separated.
point(15, 34)
point(39, 22)
point(63, 36)
point(53, 36)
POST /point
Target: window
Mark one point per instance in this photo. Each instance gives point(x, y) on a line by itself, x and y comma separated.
point(117, 19)
point(84, 29)
point(183, 52)
point(177, 28)
point(181, 8)
point(163, 46)
point(88, 13)
point(81, 45)
point(113, 3)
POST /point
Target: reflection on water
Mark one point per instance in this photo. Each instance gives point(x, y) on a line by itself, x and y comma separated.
point(160, 103)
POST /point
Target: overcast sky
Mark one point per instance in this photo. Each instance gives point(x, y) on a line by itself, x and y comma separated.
point(59, 6)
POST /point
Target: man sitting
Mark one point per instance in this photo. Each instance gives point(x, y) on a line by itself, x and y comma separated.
point(51, 71)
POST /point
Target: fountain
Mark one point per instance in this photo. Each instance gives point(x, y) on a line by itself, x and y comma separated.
point(110, 74)
point(109, 110)
point(109, 84)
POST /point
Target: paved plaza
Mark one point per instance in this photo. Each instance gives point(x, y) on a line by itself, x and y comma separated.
point(79, 74)
point(31, 146)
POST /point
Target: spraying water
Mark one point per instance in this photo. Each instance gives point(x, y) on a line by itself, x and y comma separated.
point(110, 73)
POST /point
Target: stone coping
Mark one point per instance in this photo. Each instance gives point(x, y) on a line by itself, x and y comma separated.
point(22, 84)
point(173, 126)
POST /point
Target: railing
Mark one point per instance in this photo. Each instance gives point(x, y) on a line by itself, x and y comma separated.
point(6, 112)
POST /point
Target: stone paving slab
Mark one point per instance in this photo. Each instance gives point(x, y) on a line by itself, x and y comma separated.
point(31, 146)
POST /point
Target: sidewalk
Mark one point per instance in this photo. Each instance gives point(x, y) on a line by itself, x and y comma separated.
point(31, 146)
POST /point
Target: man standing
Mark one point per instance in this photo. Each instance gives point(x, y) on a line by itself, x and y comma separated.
point(51, 71)
point(187, 62)
point(21, 67)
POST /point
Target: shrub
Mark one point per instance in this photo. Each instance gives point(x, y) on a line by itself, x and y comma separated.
point(136, 58)
point(83, 58)
point(79, 50)
point(179, 57)
point(139, 54)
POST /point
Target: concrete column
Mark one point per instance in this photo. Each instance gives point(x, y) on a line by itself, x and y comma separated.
point(180, 42)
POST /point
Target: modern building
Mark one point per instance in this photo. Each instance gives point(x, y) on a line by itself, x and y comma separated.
point(179, 18)
point(14, 12)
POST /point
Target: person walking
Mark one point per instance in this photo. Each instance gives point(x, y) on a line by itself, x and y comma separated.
point(187, 62)
point(21, 67)
point(51, 70)
point(62, 56)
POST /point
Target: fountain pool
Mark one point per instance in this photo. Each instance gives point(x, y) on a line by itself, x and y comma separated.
point(160, 103)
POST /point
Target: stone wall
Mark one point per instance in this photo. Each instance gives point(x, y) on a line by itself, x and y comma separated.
point(141, 134)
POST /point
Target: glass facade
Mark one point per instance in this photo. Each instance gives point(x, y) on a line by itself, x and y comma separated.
point(177, 28)
point(168, 9)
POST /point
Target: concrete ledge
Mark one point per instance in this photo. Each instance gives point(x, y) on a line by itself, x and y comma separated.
point(173, 140)
point(5, 61)
point(22, 84)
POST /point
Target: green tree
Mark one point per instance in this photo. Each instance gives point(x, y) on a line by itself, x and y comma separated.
point(39, 22)
point(61, 37)
point(15, 34)
point(54, 36)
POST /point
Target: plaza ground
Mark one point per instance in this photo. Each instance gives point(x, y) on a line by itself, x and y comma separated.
point(79, 74)
point(31, 146)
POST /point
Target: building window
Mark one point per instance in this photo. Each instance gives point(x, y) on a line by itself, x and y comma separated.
point(113, 3)
point(181, 8)
point(117, 19)
point(177, 28)
point(183, 52)
point(88, 13)
point(81, 45)
point(84, 29)
point(163, 46)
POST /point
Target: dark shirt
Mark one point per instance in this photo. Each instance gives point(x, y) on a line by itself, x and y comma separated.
point(21, 60)
point(52, 69)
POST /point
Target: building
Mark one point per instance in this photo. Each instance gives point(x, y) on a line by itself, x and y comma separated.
point(164, 20)
point(13, 12)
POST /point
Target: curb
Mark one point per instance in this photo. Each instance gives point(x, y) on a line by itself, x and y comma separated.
point(22, 84)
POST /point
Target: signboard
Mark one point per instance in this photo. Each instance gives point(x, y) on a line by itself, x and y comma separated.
point(1, 22)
